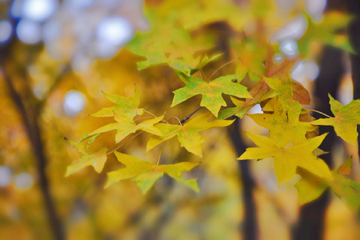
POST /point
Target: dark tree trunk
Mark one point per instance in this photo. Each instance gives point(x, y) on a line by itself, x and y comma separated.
point(311, 220)
point(249, 227)
point(354, 34)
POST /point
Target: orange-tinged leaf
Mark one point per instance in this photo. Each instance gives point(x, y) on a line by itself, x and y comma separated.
point(276, 70)
point(260, 89)
point(288, 158)
point(345, 168)
point(125, 126)
point(188, 134)
point(300, 94)
point(212, 92)
point(127, 106)
point(345, 120)
point(96, 159)
point(145, 173)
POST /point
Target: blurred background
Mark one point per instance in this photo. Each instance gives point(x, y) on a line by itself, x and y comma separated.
point(56, 58)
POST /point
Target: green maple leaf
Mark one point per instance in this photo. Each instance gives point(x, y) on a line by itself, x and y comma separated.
point(125, 126)
point(312, 186)
point(251, 57)
point(188, 134)
point(96, 159)
point(288, 158)
point(324, 32)
point(127, 106)
point(145, 173)
point(211, 92)
point(345, 119)
point(166, 44)
point(281, 130)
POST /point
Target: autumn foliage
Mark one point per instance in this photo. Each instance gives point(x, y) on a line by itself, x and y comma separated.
point(292, 139)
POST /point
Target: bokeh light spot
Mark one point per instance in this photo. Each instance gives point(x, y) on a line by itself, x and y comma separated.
point(5, 31)
point(23, 181)
point(5, 176)
point(28, 31)
point(116, 31)
point(74, 102)
point(39, 10)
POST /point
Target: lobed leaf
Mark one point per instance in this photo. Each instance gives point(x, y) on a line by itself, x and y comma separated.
point(324, 32)
point(145, 173)
point(125, 126)
point(311, 186)
point(212, 92)
point(97, 159)
point(126, 106)
point(345, 120)
point(288, 158)
point(188, 134)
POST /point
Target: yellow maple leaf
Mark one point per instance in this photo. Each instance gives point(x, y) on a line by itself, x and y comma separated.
point(288, 158)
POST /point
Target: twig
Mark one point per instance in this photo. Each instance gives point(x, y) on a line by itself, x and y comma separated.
point(189, 116)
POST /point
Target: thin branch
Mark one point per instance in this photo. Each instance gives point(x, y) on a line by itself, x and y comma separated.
point(189, 116)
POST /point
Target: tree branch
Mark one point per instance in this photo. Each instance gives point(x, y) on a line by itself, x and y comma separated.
point(190, 115)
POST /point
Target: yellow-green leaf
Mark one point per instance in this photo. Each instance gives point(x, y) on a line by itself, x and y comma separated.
point(96, 159)
point(211, 92)
point(145, 173)
point(125, 126)
point(311, 186)
point(237, 111)
point(324, 32)
point(345, 120)
point(188, 134)
point(127, 106)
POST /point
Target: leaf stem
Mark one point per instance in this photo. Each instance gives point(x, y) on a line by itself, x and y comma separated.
point(313, 110)
point(189, 116)
point(221, 67)
point(124, 143)
point(150, 113)
point(176, 119)
point(161, 150)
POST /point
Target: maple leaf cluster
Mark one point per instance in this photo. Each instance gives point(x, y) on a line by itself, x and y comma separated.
point(292, 141)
